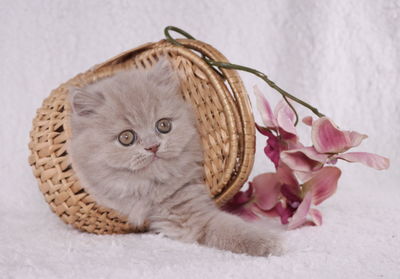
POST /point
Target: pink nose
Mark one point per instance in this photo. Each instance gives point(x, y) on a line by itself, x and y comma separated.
point(153, 148)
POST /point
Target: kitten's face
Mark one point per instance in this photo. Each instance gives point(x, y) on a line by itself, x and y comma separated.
point(134, 121)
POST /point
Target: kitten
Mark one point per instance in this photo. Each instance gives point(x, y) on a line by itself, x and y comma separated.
point(136, 149)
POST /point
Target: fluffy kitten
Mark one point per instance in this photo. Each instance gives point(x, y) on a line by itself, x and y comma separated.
point(136, 149)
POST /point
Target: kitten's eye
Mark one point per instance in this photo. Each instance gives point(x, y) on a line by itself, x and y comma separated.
point(164, 125)
point(127, 137)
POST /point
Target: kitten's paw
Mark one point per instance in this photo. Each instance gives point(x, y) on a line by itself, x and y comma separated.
point(231, 233)
point(262, 244)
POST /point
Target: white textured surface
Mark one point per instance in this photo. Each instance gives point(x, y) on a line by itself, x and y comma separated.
point(342, 56)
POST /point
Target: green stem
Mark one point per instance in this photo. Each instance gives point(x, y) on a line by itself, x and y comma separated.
point(255, 72)
point(177, 30)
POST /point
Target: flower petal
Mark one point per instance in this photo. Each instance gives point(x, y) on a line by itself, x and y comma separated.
point(285, 117)
point(268, 213)
point(355, 138)
point(316, 216)
point(286, 176)
point(273, 149)
point(303, 176)
point(292, 196)
point(369, 159)
point(327, 138)
point(264, 130)
point(323, 184)
point(240, 205)
point(266, 190)
point(242, 197)
point(303, 159)
point(300, 217)
point(264, 108)
point(284, 212)
point(308, 120)
point(245, 212)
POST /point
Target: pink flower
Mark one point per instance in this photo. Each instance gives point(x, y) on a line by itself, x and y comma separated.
point(292, 203)
point(241, 204)
point(301, 179)
point(274, 145)
point(320, 187)
point(329, 143)
point(262, 195)
point(283, 118)
point(268, 195)
point(279, 127)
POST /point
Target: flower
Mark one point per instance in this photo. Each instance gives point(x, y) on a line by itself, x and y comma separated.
point(320, 187)
point(301, 179)
point(295, 200)
point(283, 118)
point(267, 195)
point(240, 204)
point(329, 143)
point(279, 127)
point(262, 195)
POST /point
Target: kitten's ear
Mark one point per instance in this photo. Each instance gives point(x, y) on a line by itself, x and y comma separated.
point(163, 74)
point(85, 103)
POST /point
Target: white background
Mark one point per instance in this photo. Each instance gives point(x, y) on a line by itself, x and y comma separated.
point(341, 56)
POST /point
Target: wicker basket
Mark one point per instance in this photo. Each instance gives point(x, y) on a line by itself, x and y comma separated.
point(225, 124)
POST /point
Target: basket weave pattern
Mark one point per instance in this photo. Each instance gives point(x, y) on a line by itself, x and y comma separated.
point(224, 121)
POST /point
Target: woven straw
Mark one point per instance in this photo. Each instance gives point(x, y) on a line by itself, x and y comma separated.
point(225, 124)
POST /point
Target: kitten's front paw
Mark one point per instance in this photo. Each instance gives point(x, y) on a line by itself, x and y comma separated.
point(231, 233)
point(261, 244)
point(249, 240)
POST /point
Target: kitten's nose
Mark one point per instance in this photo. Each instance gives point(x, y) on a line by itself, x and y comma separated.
point(153, 148)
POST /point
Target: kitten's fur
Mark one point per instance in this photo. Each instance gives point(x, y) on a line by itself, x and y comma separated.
point(166, 195)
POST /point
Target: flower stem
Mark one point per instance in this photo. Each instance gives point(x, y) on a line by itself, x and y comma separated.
point(255, 72)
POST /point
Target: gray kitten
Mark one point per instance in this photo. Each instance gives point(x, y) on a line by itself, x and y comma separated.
point(136, 149)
